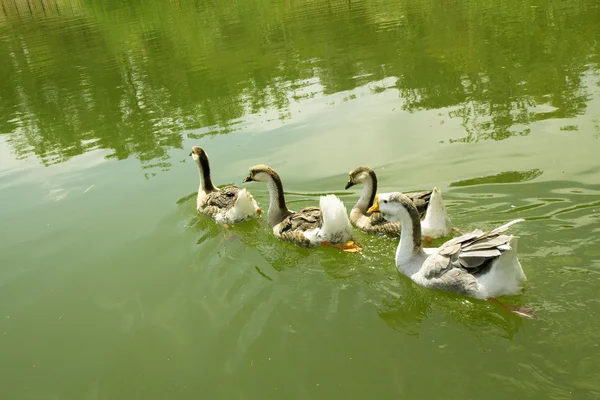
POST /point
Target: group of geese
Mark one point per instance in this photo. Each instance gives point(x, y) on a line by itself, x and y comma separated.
point(479, 264)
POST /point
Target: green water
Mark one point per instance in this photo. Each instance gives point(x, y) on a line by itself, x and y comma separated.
point(112, 288)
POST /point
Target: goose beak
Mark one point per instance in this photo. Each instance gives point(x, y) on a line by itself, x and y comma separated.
point(375, 206)
point(349, 184)
point(248, 179)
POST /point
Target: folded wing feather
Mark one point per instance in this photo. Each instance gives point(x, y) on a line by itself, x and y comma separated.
point(471, 252)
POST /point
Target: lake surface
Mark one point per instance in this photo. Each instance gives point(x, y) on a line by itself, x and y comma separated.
point(112, 288)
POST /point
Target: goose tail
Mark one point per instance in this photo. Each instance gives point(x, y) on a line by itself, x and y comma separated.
point(336, 226)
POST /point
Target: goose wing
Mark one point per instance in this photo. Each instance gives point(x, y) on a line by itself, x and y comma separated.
point(378, 224)
point(222, 199)
point(471, 253)
point(421, 200)
point(293, 226)
point(304, 220)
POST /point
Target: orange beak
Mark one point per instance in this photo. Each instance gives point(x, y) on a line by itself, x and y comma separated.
point(375, 206)
point(259, 211)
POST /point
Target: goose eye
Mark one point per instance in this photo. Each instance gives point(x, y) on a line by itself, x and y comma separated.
point(385, 202)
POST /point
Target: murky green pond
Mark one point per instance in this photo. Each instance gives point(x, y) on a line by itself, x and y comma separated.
point(112, 288)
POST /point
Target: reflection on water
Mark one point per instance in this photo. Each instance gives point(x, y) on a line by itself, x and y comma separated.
point(131, 77)
point(416, 306)
point(503, 177)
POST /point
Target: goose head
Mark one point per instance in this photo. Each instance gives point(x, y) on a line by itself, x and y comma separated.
point(395, 207)
point(262, 173)
point(360, 175)
point(199, 155)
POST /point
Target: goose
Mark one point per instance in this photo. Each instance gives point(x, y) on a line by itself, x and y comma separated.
point(226, 205)
point(478, 264)
point(430, 205)
point(326, 225)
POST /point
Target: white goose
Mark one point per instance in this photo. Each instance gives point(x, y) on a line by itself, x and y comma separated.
point(478, 264)
point(227, 205)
